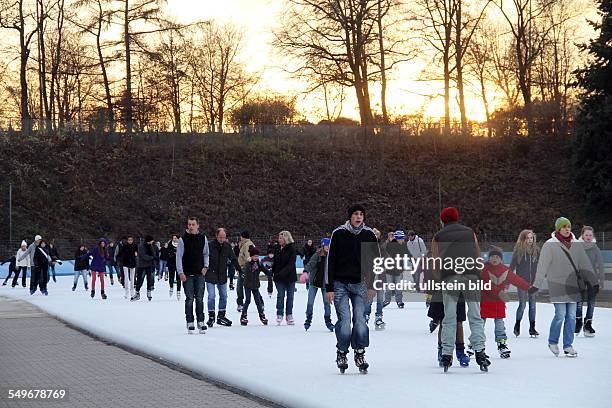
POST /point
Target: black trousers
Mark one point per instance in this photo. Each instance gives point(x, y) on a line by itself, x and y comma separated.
point(172, 275)
point(23, 270)
point(39, 278)
point(140, 276)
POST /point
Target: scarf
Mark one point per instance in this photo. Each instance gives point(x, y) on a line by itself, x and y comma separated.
point(565, 241)
point(349, 227)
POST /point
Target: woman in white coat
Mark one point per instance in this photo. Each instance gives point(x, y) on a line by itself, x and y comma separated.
point(21, 266)
point(562, 259)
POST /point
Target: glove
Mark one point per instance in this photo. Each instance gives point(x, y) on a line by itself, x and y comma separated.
point(532, 290)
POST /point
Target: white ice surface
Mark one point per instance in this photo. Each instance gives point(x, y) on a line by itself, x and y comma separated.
point(297, 368)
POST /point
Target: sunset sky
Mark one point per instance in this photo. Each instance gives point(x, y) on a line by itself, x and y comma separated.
point(406, 91)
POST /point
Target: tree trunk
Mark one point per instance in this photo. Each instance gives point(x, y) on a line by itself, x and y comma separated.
point(129, 113)
point(109, 99)
point(459, 67)
point(383, 70)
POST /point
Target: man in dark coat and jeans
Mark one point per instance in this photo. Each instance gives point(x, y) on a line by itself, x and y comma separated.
point(192, 265)
point(145, 265)
point(216, 278)
point(349, 278)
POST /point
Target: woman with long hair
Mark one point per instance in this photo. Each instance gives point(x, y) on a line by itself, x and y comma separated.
point(525, 264)
point(285, 276)
point(587, 239)
point(100, 256)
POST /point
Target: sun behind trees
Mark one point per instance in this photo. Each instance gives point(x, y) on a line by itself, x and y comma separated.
point(124, 66)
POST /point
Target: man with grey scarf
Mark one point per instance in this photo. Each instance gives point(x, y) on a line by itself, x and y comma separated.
point(349, 278)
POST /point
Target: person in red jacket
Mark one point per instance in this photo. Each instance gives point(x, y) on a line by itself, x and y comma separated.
point(493, 301)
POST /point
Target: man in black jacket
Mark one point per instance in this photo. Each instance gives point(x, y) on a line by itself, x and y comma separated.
point(349, 278)
point(191, 265)
point(220, 251)
point(145, 262)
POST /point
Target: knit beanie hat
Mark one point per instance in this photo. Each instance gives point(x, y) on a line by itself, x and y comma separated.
point(399, 234)
point(496, 251)
point(356, 207)
point(449, 214)
point(23, 243)
point(325, 242)
point(562, 222)
point(253, 251)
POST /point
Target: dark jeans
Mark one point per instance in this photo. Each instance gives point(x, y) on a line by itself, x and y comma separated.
point(140, 275)
point(258, 300)
point(10, 272)
point(239, 291)
point(590, 309)
point(110, 268)
point(282, 289)
point(23, 270)
point(39, 278)
point(270, 285)
point(194, 290)
point(172, 275)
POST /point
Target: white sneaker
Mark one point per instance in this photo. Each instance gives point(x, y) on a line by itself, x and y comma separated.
point(279, 319)
point(202, 327)
point(290, 320)
point(570, 352)
point(554, 348)
point(190, 328)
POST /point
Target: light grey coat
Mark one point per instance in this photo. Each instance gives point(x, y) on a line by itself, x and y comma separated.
point(555, 267)
point(594, 254)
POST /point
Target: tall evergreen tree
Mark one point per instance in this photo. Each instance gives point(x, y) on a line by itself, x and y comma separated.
point(593, 145)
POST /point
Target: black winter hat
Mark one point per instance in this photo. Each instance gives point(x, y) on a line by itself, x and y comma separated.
point(245, 234)
point(149, 238)
point(356, 207)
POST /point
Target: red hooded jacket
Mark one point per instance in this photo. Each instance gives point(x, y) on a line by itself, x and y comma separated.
point(491, 306)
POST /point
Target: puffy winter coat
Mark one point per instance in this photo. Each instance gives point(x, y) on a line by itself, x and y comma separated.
point(556, 268)
point(283, 268)
point(217, 265)
point(251, 272)
point(500, 278)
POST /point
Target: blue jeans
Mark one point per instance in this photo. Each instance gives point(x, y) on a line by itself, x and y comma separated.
point(239, 290)
point(162, 267)
point(345, 296)
point(282, 289)
point(397, 293)
point(500, 329)
point(589, 312)
point(565, 315)
point(258, 301)
point(524, 298)
point(194, 290)
point(82, 273)
point(210, 287)
point(380, 296)
point(312, 294)
point(112, 267)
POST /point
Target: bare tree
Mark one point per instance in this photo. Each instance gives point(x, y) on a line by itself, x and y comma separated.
point(137, 13)
point(99, 16)
point(525, 19)
point(16, 15)
point(334, 40)
point(220, 76)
